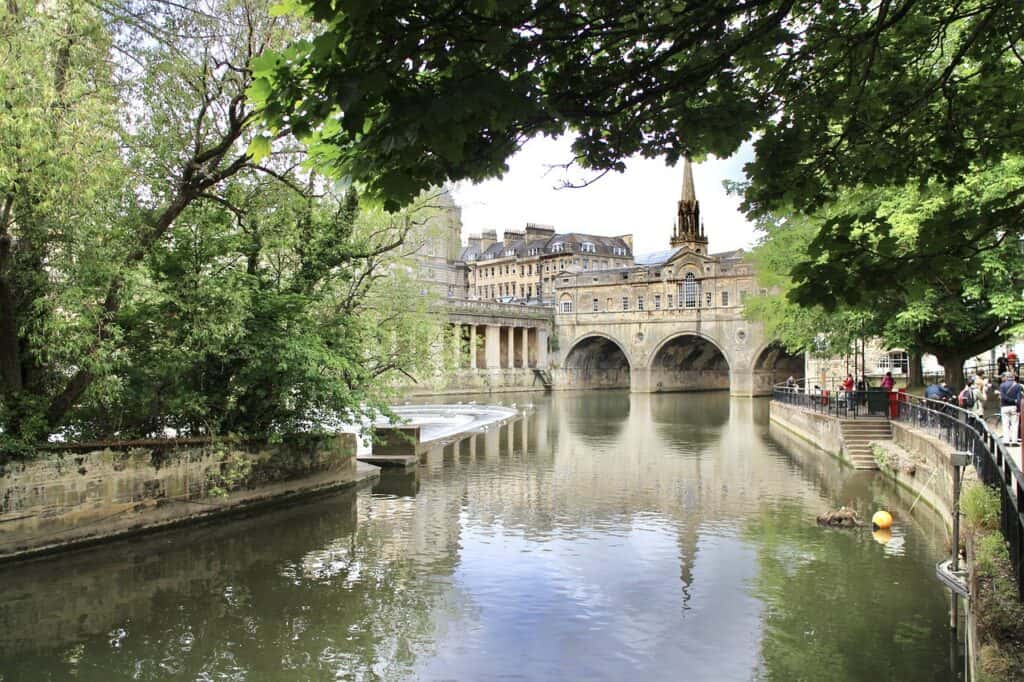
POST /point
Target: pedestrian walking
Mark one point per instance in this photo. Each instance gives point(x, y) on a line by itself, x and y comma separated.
point(1009, 409)
point(847, 386)
point(1001, 365)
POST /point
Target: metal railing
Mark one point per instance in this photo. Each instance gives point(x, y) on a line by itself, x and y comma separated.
point(872, 402)
point(963, 429)
point(995, 466)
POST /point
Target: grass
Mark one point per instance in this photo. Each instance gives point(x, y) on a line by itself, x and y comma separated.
point(996, 603)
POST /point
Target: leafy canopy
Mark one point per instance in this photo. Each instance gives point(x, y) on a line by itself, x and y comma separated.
point(402, 94)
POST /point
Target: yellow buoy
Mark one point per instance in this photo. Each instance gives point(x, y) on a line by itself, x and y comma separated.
point(881, 519)
point(882, 536)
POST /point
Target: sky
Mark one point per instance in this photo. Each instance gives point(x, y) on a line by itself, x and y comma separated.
point(641, 201)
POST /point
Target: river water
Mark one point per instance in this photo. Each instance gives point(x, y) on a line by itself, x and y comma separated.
point(605, 536)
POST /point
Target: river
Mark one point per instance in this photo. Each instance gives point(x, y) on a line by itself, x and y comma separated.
point(604, 536)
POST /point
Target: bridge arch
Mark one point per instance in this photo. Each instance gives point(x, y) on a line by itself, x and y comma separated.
point(773, 364)
point(596, 360)
point(689, 361)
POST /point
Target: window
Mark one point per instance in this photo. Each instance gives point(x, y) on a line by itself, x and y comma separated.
point(561, 265)
point(690, 291)
point(669, 302)
point(529, 291)
point(595, 305)
point(895, 361)
point(566, 306)
point(588, 247)
point(557, 248)
point(529, 269)
point(657, 302)
point(725, 299)
point(625, 302)
point(707, 299)
point(639, 302)
point(586, 264)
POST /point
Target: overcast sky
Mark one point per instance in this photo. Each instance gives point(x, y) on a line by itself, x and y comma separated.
point(641, 201)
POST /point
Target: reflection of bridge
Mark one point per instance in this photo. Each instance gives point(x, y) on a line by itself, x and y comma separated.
point(670, 350)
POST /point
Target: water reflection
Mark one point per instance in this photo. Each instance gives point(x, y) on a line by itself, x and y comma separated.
point(603, 536)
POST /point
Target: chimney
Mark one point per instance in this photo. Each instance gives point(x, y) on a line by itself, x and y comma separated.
point(487, 238)
point(535, 231)
point(474, 240)
point(512, 235)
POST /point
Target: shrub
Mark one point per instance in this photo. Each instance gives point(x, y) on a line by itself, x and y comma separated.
point(980, 505)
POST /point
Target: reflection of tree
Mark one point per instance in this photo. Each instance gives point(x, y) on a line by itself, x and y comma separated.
point(834, 611)
point(302, 593)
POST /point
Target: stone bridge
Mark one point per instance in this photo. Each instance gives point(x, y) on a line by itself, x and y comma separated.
point(676, 349)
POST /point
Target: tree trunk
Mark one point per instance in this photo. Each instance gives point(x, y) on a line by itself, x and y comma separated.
point(953, 365)
point(915, 377)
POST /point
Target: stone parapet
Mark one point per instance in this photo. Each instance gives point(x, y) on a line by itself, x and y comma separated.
point(84, 496)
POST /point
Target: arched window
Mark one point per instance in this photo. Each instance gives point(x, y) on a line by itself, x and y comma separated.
point(566, 304)
point(689, 291)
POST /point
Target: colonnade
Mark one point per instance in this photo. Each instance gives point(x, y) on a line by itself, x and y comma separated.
point(491, 346)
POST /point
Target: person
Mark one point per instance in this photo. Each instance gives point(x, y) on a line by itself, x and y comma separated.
point(1011, 362)
point(1009, 404)
point(791, 383)
point(1001, 365)
point(978, 392)
point(888, 382)
point(847, 386)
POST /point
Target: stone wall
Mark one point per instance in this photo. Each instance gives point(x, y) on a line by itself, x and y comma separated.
point(467, 381)
point(934, 476)
point(81, 497)
point(818, 429)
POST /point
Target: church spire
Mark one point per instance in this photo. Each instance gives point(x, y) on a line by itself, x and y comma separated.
point(689, 229)
point(689, 195)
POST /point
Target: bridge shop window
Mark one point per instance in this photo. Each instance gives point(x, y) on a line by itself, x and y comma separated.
point(639, 302)
point(596, 307)
point(669, 301)
point(707, 300)
point(566, 304)
point(625, 302)
point(657, 301)
point(725, 299)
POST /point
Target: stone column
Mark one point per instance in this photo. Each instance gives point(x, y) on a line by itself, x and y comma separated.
point(492, 347)
point(472, 346)
point(542, 348)
point(511, 347)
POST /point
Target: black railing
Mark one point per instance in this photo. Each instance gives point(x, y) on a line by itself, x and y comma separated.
point(963, 429)
point(995, 466)
point(872, 402)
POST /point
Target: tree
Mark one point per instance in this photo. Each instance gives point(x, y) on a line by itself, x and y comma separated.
point(164, 262)
point(400, 94)
point(915, 284)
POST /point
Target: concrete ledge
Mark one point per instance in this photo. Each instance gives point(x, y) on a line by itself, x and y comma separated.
point(820, 430)
point(74, 499)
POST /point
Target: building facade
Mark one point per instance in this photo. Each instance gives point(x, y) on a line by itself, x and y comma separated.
point(524, 265)
point(667, 321)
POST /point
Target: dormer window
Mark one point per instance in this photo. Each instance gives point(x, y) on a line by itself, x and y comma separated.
point(588, 247)
point(558, 248)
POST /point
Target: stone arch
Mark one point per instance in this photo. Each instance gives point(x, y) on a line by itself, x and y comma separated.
point(773, 364)
point(689, 361)
point(596, 360)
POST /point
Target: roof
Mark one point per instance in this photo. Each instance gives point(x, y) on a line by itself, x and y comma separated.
point(657, 257)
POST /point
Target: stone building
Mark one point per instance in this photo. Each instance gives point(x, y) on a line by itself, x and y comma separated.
point(524, 265)
point(436, 245)
point(671, 322)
